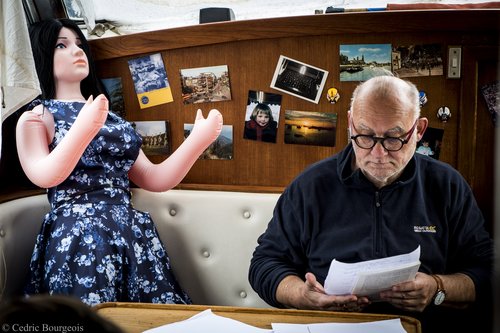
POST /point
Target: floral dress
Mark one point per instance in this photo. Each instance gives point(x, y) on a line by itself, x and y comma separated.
point(93, 244)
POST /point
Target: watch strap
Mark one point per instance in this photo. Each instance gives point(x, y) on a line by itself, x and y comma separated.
point(439, 282)
point(440, 294)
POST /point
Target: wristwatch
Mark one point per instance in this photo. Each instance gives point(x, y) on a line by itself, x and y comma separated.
point(440, 294)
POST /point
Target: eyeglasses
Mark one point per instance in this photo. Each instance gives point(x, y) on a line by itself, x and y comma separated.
point(389, 143)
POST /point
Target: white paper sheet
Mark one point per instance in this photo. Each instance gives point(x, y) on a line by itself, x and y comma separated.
point(207, 322)
point(386, 326)
point(368, 278)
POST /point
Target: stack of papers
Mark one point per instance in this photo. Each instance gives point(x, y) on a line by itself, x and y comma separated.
point(208, 322)
point(369, 278)
point(386, 326)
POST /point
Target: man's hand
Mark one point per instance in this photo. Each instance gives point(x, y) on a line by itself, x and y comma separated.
point(417, 294)
point(310, 294)
point(412, 295)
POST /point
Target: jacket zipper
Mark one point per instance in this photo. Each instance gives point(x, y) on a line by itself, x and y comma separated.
point(377, 223)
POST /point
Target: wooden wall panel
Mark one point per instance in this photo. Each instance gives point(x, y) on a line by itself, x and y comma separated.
point(251, 65)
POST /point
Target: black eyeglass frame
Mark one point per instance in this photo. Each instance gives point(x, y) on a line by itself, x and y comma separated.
point(376, 139)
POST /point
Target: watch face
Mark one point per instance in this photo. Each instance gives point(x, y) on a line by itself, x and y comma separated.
point(439, 298)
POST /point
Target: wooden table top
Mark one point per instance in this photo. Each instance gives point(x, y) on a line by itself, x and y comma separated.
point(138, 317)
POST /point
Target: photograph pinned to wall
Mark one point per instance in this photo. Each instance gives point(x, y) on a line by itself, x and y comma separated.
point(310, 128)
point(205, 84)
point(262, 116)
point(221, 148)
point(150, 80)
point(114, 89)
point(491, 94)
point(417, 60)
point(299, 79)
point(155, 136)
point(360, 62)
point(431, 142)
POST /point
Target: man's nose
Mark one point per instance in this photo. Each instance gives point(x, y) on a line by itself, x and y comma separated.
point(378, 149)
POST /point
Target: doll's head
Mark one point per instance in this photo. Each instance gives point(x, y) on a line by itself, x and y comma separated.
point(44, 36)
point(262, 114)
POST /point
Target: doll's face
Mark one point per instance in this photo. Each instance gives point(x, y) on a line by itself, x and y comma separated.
point(70, 61)
point(262, 119)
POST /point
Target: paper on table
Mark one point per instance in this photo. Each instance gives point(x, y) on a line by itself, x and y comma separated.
point(368, 278)
point(386, 326)
point(207, 322)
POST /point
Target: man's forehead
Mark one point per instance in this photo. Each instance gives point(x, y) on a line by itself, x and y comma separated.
point(381, 122)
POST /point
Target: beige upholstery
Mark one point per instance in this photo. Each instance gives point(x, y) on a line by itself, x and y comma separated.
point(209, 235)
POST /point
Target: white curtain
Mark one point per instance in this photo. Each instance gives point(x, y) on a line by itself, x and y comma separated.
point(19, 82)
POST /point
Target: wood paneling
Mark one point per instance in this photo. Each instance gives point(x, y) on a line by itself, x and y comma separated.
point(251, 49)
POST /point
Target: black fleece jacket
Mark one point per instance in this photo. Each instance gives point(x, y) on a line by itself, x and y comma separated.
point(330, 212)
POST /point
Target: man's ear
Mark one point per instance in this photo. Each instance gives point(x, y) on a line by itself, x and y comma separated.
point(421, 127)
point(349, 123)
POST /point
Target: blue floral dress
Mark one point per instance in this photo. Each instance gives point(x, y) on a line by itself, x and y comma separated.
point(93, 244)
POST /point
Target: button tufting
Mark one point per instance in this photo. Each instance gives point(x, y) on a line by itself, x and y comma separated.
point(2, 232)
point(173, 212)
point(206, 254)
point(243, 294)
point(246, 214)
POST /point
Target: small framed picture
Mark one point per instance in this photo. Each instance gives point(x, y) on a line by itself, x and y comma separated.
point(150, 80)
point(72, 10)
point(114, 88)
point(417, 60)
point(221, 148)
point(431, 142)
point(360, 62)
point(205, 84)
point(155, 136)
point(299, 79)
point(310, 128)
point(262, 116)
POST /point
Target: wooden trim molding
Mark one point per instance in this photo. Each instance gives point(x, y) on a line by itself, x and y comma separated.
point(471, 21)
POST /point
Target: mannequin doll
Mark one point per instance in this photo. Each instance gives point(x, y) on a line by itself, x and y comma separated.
point(93, 244)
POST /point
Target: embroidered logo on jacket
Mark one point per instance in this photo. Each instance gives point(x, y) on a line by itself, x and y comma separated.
point(424, 228)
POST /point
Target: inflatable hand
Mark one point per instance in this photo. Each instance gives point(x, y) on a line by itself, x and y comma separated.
point(92, 115)
point(48, 169)
point(169, 173)
point(205, 131)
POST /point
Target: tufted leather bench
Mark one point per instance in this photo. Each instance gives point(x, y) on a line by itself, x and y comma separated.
point(209, 235)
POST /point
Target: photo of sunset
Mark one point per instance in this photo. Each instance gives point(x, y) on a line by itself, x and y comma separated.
point(310, 128)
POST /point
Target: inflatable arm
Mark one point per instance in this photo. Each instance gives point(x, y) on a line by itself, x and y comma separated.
point(164, 176)
point(48, 169)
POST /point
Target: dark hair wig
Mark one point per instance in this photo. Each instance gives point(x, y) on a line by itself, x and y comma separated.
point(43, 37)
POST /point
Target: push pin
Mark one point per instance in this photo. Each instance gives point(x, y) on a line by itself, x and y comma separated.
point(444, 114)
point(333, 95)
point(422, 98)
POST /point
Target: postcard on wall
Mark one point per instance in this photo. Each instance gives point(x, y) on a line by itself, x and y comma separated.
point(114, 89)
point(221, 148)
point(262, 116)
point(431, 142)
point(205, 84)
point(360, 62)
point(155, 136)
point(310, 128)
point(417, 60)
point(299, 79)
point(150, 80)
point(491, 94)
